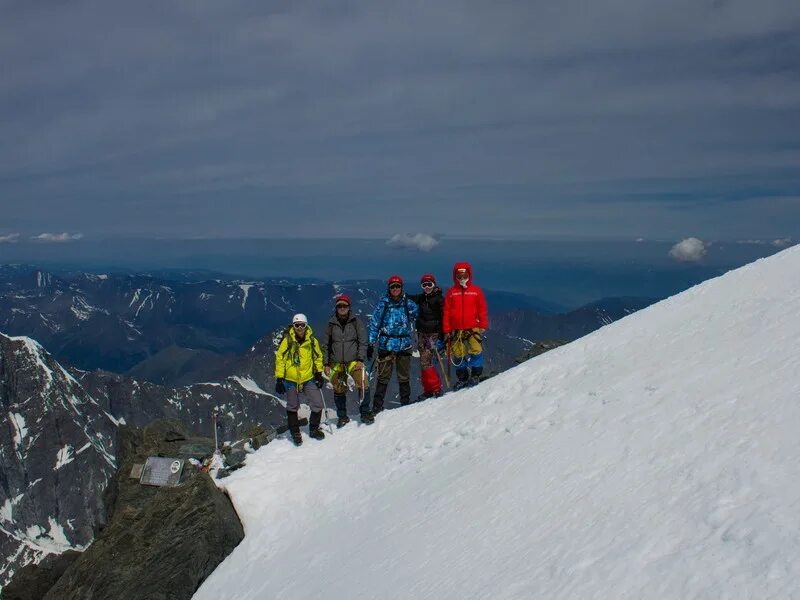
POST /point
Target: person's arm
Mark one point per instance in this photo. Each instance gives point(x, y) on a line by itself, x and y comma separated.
point(280, 363)
point(361, 332)
point(374, 325)
point(413, 310)
point(328, 345)
point(483, 311)
point(317, 357)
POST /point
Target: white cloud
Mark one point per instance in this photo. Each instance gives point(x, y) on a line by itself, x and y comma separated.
point(782, 243)
point(9, 238)
point(689, 250)
point(751, 242)
point(57, 237)
point(417, 241)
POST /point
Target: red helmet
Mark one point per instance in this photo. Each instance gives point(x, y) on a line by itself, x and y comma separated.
point(395, 279)
point(427, 277)
point(342, 298)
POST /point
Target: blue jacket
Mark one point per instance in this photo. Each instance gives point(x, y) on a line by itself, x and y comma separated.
point(392, 323)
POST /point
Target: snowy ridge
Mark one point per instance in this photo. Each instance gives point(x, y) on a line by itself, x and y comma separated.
point(655, 458)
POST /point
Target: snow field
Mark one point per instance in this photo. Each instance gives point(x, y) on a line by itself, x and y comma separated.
point(658, 457)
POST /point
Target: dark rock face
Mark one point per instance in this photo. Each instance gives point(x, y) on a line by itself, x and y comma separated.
point(57, 453)
point(160, 543)
point(32, 581)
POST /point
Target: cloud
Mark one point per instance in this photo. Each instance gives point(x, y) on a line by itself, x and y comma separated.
point(689, 250)
point(782, 243)
point(417, 241)
point(57, 237)
point(9, 238)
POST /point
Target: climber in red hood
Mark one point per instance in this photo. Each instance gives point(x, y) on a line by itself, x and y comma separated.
point(464, 321)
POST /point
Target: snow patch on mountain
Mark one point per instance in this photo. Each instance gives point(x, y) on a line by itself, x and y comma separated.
point(655, 458)
point(63, 457)
point(34, 349)
point(245, 292)
point(20, 430)
point(248, 384)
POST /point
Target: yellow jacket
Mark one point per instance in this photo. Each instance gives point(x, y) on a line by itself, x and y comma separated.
point(298, 362)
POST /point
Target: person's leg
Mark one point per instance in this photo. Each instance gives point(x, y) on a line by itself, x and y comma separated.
point(475, 357)
point(385, 368)
point(339, 383)
point(313, 396)
point(359, 374)
point(431, 384)
point(403, 371)
point(292, 404)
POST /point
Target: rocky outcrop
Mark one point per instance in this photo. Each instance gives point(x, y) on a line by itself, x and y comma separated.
point(159, 543)
point(58, 442)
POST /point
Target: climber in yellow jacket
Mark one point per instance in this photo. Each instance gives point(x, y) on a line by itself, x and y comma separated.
point(298, 371)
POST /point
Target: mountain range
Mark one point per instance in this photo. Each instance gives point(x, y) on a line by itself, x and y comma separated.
point(128, 349)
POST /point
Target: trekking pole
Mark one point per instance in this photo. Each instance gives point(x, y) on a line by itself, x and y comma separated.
point(441, 366)
point(214, 424)
point(325, 410)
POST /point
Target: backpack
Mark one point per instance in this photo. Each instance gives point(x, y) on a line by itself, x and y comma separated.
point(293, 348)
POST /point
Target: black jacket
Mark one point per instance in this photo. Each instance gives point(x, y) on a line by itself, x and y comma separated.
point(430, 311)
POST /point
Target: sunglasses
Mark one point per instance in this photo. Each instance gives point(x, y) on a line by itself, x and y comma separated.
point(300, 325)
point(427, 284)
point(341, 306)
point(395, 286)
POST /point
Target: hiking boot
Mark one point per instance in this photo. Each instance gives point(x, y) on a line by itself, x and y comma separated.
point(367, 418)
point(475, 376)
point(342, 422)
point(405, 392)
point(463, 379)
point(294, 427)
point(313, 426)
point(422, 397)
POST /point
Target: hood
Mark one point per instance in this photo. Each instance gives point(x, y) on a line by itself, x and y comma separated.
point(462, 265)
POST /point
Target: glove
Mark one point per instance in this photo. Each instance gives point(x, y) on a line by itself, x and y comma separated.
point(327, 371)
point(440, 344)
point(370, 351)
point(280, 386)
point(319, 379)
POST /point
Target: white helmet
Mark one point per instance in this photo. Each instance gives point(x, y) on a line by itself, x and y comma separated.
point(299, 318)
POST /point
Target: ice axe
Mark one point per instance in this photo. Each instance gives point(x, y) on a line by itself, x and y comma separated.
point(441, 366)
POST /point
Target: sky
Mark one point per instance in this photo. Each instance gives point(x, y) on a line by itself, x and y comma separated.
point(610, 119)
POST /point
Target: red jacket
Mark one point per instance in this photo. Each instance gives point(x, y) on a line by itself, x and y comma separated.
point(464, 308)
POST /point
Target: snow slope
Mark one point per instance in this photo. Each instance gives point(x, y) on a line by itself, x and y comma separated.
point(656, 458)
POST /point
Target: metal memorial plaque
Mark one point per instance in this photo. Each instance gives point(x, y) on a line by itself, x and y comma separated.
point(136, 471)
point(162, 471)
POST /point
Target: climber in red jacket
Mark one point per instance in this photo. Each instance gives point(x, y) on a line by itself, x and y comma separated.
point(464, 321)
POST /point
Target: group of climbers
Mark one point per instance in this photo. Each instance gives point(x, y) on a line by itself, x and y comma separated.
point(453, 323)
